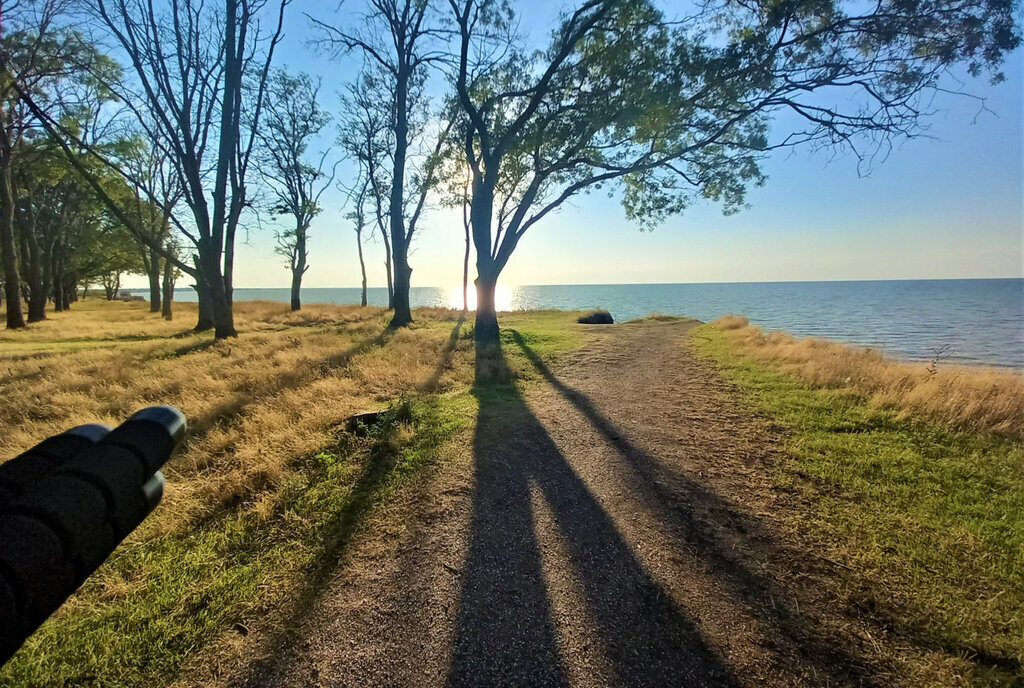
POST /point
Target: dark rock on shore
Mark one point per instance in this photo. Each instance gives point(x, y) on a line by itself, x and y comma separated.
point(596, 317)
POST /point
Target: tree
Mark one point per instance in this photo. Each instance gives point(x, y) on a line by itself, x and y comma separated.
point(395, 38)
point(673, 110)
point(171, 273)
point(363, 133)
point(36, 56)
point(292, 118)
point(200, 72)
point(358, 217)
point(113, 253)
point(150, 174)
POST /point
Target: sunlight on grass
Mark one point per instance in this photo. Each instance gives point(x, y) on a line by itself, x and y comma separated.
point(930, 521)
point(965, 397)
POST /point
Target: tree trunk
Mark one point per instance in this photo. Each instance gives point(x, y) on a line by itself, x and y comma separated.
point(403, 310)
point(298, 268)
point(486, 330)
point(12, 279)
point(154, 280)
point(58, 282)
point(399, 247)
point(487, 267)
point(362, 265)
point(296, 288)
point(223, 316)
point(168, 287)
point(37, 294)
point(217, 312)
point(51, 246)
point(465, 268)
point(205, 321)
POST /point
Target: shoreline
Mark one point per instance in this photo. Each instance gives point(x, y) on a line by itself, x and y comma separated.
point(948, 360)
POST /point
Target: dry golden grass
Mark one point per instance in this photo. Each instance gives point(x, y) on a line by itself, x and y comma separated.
point(968, 398)
point(266, 490)
point(254, 403)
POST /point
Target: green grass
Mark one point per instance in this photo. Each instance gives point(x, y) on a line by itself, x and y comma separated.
point(160, 601)
point(661, 317)
point(930, 521)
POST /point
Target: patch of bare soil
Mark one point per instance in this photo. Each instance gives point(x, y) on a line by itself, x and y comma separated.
point(617, 525)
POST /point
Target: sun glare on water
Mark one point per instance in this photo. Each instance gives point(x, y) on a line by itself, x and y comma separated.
point(502, 297)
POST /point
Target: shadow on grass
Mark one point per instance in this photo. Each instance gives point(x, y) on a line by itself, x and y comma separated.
point(337, 531)
point(240, 402)
point(506, 633)
point(271, 384)
point(192, 348)
point(446, 357)
point(700, 515)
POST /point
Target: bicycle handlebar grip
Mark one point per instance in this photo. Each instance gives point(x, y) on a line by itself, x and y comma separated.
point(67, 503)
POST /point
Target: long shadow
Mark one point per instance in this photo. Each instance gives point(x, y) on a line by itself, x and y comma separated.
point(446, 357)
point(201, 345)
point(505, 633)
point(237, 405)
point(679, 500)
point(340, 527)
point(241, 400)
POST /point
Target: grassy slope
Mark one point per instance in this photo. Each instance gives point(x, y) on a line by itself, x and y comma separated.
point(263, 545)
point(929, 521)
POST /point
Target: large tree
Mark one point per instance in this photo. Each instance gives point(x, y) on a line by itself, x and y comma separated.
point(397, 39)
point(672, 109)
point(293, 119)
point(365, 137)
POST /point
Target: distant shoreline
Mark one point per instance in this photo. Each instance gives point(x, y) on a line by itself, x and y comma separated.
point(143, 287)
point(972, 321)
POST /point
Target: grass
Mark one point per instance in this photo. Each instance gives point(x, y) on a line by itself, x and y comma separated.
point(970, 398)
point(927, 518)
point(661, 317)
point(266, 491)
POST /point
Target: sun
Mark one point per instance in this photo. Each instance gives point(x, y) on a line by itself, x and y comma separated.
point(502, 297)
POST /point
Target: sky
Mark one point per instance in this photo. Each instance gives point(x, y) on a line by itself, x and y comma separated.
point(947, 205)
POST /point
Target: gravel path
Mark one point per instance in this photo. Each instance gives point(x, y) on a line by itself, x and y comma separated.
point(614, 527)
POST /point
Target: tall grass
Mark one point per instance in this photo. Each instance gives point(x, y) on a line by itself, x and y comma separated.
point(966, 398)
point(926, 523)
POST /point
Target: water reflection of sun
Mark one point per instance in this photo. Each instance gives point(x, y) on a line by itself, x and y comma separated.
point(502, 297)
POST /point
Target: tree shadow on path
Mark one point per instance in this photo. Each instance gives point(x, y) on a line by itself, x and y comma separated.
point(700, 516)
point(505, 633)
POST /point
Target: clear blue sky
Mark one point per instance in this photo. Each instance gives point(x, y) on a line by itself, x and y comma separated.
point(949, 206)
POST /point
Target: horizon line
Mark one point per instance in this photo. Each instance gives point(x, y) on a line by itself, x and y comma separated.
point(645, 284)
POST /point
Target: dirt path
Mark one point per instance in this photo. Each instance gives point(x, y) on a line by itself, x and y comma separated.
point(615, 526)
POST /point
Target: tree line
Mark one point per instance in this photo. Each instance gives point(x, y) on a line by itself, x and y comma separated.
point(141, 137)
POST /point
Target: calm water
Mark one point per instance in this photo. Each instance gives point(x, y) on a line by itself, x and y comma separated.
point(978, 320)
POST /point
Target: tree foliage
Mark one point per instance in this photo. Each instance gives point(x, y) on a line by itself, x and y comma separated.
point(671, 109)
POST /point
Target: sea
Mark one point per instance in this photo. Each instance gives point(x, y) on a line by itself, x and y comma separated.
point(966, 321)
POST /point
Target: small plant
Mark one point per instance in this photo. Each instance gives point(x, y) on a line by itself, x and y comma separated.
point(939, 354)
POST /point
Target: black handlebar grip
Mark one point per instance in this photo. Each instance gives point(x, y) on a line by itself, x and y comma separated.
point(67, 503)
point(19, 474)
